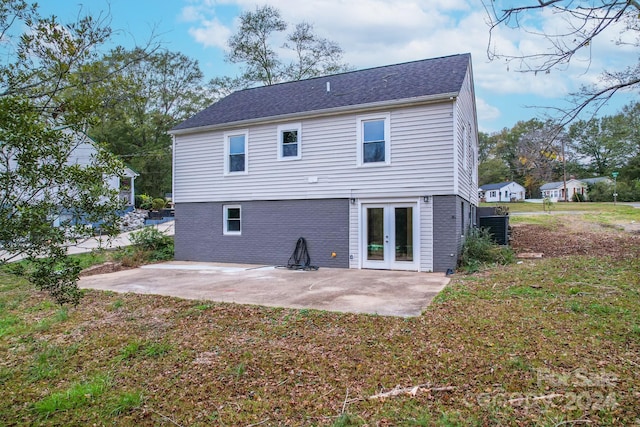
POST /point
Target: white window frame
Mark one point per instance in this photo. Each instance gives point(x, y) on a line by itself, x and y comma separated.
point(227, 143)
point(285, 128)
point(225, 218)
point(387, 138)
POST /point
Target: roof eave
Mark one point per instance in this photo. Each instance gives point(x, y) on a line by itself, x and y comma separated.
point(420, 100)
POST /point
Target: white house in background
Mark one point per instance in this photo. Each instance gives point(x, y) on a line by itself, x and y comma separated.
point(555, 190)
point(502, 192)
point(84, 153)
point(375, 168)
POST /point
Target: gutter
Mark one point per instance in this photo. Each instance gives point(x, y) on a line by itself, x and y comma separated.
point(372, 106)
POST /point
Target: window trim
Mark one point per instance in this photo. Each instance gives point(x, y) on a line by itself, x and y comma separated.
point(225, 220)
point(289, 127)
point(360, 120)
point(227, 149)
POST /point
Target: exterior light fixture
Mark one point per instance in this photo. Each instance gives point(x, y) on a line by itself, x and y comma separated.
point(426, 199)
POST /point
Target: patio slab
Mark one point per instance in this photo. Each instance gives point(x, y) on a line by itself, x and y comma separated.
point(382, 292)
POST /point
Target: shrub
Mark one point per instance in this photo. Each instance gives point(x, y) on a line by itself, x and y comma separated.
point(152, 240)
point(143, 201)
point(479, 249)
point(578, 197)
point(158, 203)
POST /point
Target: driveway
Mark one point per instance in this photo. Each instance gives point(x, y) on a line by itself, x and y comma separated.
point(387, 293)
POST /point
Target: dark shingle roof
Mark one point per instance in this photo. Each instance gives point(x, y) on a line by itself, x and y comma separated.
point(393, 82)
point(488, 187)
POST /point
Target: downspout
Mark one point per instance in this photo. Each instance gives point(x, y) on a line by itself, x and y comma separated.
point(173, 170)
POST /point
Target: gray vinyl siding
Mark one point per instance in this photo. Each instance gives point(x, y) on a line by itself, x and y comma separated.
point(422, 142)
point(270, 230)
point(465, 114)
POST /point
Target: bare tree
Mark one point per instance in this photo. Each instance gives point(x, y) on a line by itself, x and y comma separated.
point(253, 46)
point(584, 21)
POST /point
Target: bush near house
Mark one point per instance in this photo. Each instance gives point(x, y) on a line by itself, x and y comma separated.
point(480, 250)
point(158, 203)
point(143, 201)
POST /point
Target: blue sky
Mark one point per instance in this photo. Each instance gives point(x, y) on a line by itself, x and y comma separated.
point(371, 33)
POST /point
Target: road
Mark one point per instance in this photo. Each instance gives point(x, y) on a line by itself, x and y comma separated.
point(93, 243)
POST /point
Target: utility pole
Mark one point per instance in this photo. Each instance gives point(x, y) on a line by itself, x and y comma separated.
point(564, 172)
point(615, 187)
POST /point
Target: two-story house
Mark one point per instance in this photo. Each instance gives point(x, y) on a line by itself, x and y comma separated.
point(375, 168)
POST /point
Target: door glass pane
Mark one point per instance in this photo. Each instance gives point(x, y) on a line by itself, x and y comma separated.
point(375, 233)
point(404, 234)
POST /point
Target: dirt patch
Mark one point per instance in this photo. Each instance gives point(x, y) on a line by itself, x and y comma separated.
point(575, 238)
point(107, 267)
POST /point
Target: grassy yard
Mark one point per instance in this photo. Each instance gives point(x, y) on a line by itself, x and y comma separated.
point(548, 342)
point(590, 213)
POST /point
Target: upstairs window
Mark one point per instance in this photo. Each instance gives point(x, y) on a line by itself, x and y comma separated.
point(289, 142)
point(232, 220)
point(373, 139)
point(236, 152)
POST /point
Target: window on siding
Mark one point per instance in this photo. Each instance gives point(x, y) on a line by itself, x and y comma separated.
point(236, 152)
point(374, 144)
point(289, 142)
point(232, 220)
point(492, 194)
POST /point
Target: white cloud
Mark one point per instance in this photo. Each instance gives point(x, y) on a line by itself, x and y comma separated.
point(211, 33)
point(486, 111)
point(190, 14)
point(381, 32)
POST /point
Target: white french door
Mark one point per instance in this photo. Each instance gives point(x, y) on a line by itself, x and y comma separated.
point(389, 239)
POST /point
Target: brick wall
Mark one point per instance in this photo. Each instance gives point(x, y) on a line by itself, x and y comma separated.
point(270, 230)
point(448, 230)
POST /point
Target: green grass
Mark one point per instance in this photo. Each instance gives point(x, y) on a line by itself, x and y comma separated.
point(143, 349)
point(77, 396)
point(92, 258)
point(567, 207)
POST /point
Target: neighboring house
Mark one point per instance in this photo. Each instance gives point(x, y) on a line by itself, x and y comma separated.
point(83, 154)
point(375, 168)
point(127, 186)
point(501, 192)
point(555, 190)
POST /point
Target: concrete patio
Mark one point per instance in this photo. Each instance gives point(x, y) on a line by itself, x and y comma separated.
point(382, 292)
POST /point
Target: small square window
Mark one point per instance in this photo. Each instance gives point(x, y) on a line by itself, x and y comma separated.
point(232, 220)
point(289, 142)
